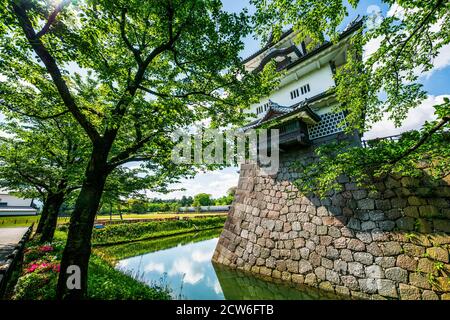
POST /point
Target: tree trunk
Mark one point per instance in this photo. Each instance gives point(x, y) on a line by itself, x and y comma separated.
point(43, 217)
point(55, 202)
point(78, 246)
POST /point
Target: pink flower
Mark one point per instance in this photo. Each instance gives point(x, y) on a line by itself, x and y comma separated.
point(32, 268)
point(44, 266)
point(46, 248)
point(57, 267)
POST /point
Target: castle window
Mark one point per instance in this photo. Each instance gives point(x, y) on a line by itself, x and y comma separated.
point(259, 109)
point(302, 90)
point(306, 89)
point(262, 108)
point(328, 125)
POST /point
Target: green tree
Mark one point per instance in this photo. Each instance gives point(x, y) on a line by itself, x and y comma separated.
point(373, 86)
point(186, 201)
point(202, 199)
point(146, 69)
point(124, 183)
point(42, 159)
point(226, 200)
point(183, 201)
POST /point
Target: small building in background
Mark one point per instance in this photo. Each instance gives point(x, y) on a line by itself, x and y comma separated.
point(11, 205)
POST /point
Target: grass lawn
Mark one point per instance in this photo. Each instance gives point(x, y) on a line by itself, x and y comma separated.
point(22, 221)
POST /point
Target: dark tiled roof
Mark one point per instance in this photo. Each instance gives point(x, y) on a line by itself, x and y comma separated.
point(349, 30)
point(283, 111)
point(352, 27)
point(267, 46)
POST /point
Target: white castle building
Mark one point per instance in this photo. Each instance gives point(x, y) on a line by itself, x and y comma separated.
point(304, 100)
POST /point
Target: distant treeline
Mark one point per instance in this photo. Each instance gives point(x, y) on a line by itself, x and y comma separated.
point(145, 205)
point(173, 205)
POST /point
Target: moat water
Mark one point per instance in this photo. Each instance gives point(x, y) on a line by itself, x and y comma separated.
point(183, 265)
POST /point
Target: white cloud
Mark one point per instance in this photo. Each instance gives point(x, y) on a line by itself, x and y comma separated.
point(416, 118)
point(371, 47)
point(441, 61)
point(217, 287)
point(215, 183)
point(396, 11)
point(152, 266)
point(186, 267)
point(202, 256)
point(375, 16)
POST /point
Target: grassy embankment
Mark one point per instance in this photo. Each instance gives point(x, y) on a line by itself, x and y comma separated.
point(130, 232)
point(23, 221)
point(41, 263)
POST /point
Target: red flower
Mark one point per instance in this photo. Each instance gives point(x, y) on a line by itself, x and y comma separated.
point(44, 266)
point(46, 248)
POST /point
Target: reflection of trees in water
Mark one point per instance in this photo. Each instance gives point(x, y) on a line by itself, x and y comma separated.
point(140, 248)
point(128, 250)
point(238, 285)
point(180, 295)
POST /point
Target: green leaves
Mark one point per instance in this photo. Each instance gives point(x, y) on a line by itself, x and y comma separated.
point(415, 153)
point(42, 156)
point(443, 110)
point(130, 73)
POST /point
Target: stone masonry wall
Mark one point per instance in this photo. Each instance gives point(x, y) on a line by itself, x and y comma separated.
point(389, 243)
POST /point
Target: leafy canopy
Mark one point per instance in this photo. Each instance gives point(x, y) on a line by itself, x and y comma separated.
point(38, 158)
point(129, 72)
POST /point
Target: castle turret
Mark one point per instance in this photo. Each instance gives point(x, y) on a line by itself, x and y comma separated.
point(302, 105)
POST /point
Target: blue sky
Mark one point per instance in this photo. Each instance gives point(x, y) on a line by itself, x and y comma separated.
point(436, 83)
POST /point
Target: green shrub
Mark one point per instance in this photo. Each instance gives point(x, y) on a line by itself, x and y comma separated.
point(36, 286)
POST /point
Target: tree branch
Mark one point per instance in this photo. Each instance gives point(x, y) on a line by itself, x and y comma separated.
point(125, 100)
point(52, 18)
point(422, 140)
point(53, 116)
point(419, 27)
point(136, 52)
point(186, 95)
point(124, 156)
point(53, 70)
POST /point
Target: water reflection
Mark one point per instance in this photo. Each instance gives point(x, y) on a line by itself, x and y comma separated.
point(238, 285)
point(186, 268)
point(183, 263)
